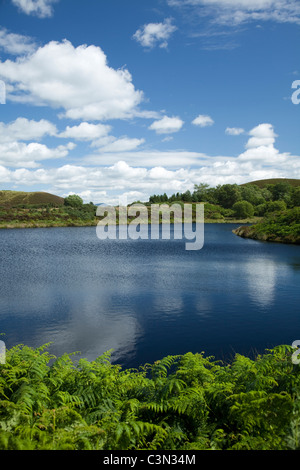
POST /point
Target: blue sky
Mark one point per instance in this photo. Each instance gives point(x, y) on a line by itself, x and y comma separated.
point(109, 98)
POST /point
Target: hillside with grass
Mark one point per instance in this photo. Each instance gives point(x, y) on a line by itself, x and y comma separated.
point(266, 182)
point(30, 210)
point(10, 199)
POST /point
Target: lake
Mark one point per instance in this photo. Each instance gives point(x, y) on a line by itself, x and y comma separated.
point(146, 299)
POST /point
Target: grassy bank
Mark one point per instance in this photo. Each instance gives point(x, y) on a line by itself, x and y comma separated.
point(62, 216)
point(31, 216)
point(46, 224)
point(188, 402)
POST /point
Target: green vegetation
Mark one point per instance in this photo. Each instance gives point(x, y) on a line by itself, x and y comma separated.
point(73, 201)
point(272, 205)
point(229, 203)
point(188, 402)
point(227, 195)
point(20, 210)
point(243, 209)
point(281, 227)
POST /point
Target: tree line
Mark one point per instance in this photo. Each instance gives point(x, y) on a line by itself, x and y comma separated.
point(239, 201)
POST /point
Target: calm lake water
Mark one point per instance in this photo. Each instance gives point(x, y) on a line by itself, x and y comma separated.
point(146, 299)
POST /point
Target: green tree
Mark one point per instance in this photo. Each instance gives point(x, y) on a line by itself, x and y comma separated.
point(281, 191)
point(243, 209)
point(187, 196)
point(253, 194)
point(73, 200)
point(203, 193)
point(269, 207)
point(267, 195)
point(295, 197)
point(200, 192)
point(228, 195)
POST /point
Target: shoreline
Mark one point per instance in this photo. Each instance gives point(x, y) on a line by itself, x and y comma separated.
point(249, 232)
point(22, 225)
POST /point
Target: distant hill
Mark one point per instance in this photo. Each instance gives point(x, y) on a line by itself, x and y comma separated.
point(264, 183)
point(15, 198)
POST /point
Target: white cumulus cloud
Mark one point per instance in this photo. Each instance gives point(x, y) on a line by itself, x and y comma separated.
point(261, 135)
point(19, 146)
point(85, 131)
point(16, 44)
point(260, 147)
point(167, 125)
point(119, 167)
point(234, 131)
point(203, 121)
point(25, 129)
point(40, 8)
point(20, 154)
point(77, 80)
point(153, 34)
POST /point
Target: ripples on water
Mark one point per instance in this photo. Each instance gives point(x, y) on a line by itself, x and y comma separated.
point(147, 298)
